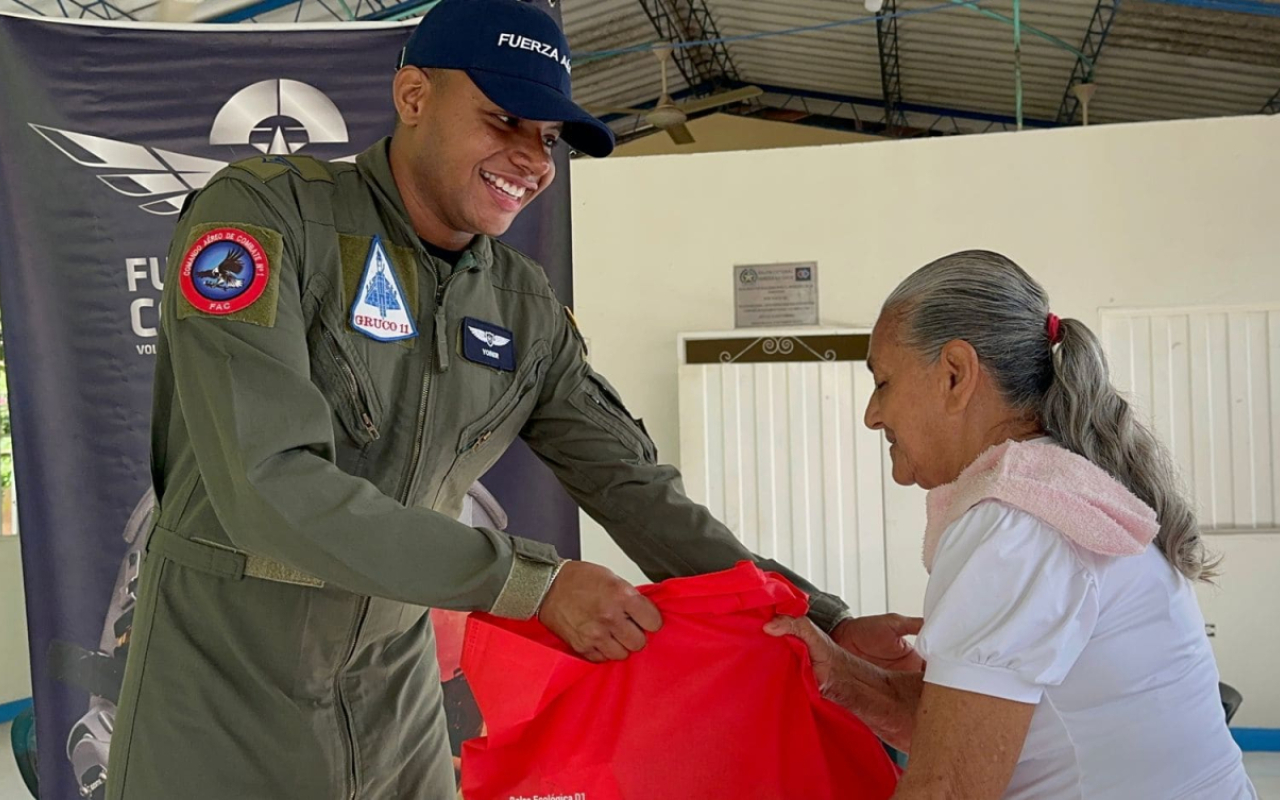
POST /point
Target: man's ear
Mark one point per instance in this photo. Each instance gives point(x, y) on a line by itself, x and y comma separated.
point(410, 90)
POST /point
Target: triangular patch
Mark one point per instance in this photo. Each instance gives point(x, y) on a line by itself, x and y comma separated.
point(380, 310)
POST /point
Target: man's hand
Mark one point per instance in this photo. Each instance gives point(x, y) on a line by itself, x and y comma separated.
point(879, 640)
point(599, 615)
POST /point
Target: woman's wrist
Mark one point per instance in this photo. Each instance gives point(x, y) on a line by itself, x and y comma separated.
point(885, 700)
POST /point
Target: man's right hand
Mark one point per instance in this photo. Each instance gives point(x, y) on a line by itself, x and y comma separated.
point(879, 639)
point(599, 615)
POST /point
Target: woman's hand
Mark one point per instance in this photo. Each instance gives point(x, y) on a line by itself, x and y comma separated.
point(825, 654)
point(883, 699)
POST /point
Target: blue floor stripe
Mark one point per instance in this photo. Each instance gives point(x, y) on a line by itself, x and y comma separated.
point(10, 710)
point(1257, 740)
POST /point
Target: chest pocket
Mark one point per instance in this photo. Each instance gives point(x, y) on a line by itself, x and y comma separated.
point(345, 381)
point(599, 401)
point(500, 425)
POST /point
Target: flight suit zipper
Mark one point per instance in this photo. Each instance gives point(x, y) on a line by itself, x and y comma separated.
point(474, 437)
point(362, 407)
point(405, 490)
point(437, 358)
point(353, 388)
point(352, 772)
point(528, 380)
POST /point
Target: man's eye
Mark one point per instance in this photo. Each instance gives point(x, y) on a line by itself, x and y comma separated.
point(507, 119)
point(551, 141)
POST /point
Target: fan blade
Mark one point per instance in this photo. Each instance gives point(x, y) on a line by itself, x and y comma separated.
point(680, 134)
point(600, 111)
point(720, 99)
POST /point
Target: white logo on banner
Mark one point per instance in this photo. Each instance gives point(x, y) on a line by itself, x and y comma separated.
point(276, 117)
point(380, 311)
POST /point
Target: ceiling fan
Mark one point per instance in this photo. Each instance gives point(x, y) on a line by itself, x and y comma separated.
point(670, 116)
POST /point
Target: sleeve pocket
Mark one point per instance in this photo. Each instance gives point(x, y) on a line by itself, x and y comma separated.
point(599, 401)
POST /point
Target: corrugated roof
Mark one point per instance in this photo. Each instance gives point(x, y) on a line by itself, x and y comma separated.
point(1170, 62)
point(606, 25)
point(842, 60)
point(1162, 59)
point(963, 60)
point(76, 9)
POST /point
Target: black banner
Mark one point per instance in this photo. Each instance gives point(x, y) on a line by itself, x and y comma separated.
point(104, 131)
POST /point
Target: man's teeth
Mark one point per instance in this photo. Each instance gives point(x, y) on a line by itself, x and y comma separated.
point(506, 186)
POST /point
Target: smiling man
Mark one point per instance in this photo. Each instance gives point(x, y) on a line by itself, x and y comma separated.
point(346, 348)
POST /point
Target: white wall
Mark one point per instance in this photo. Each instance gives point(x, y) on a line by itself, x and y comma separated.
point(1177, 213)
point(15, 667)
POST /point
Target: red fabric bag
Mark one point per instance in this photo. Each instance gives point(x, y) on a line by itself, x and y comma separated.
point(712, 709)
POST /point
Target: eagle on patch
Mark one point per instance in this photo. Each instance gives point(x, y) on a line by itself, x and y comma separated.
point(226, 275)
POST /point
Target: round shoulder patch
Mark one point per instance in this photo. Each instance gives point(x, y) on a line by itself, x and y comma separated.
point(224, 271)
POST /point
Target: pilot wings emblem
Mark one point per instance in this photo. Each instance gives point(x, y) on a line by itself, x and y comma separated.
point(491, 339)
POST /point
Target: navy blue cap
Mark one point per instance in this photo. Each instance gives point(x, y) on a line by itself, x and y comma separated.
point(517, 55)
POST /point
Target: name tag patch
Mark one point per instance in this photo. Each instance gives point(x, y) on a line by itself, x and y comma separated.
point(486, 343)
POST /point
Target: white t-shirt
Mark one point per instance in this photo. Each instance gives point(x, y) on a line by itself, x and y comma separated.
point(1112, 650)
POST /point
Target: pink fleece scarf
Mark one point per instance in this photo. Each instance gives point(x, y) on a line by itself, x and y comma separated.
point(1058, 487)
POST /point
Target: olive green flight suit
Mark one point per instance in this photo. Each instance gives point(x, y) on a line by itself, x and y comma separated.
point(309, 477)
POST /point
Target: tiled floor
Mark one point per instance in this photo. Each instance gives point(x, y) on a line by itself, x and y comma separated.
point(1264, 768)
point(11, 787)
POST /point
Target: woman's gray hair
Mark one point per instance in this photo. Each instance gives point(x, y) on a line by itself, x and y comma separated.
point(988, 301)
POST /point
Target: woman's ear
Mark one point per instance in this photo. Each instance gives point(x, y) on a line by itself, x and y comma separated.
point(961, 372)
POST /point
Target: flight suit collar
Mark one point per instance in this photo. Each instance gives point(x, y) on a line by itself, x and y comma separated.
point(374, 165)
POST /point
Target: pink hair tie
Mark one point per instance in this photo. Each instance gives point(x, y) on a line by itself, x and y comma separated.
point(1055, 329)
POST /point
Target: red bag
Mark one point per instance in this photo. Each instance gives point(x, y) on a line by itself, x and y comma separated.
point(712, 709)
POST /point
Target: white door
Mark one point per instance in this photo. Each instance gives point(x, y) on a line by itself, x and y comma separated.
point(772, 441)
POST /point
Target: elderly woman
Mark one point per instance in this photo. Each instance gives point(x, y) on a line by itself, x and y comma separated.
point(1065, 654)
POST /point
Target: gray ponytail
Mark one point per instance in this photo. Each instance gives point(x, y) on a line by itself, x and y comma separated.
point(988, 301)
